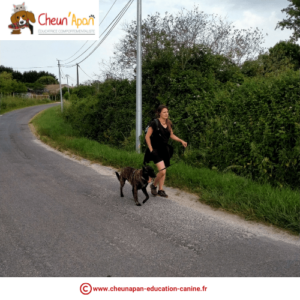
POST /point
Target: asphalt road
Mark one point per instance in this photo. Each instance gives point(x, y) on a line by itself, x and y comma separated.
point(61, 218)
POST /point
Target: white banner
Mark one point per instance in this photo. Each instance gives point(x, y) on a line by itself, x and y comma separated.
point(149, 288)
point(49, 20)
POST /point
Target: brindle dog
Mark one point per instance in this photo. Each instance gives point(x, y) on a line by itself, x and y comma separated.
point(138, 178)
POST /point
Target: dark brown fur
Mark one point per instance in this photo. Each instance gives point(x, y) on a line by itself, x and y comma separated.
point(138, 178)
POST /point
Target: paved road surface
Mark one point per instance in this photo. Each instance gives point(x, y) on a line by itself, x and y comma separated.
point(61, 218)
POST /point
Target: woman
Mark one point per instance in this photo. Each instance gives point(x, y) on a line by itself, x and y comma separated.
point(158, 149)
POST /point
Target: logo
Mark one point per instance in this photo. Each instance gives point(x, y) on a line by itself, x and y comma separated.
point(21, 19)
point(85, 289)
point(44, 20)
point(55, 20)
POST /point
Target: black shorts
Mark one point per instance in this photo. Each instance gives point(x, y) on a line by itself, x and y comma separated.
point(157, 155)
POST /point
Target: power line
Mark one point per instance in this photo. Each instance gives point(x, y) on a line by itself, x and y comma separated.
point(63, 75)
point(37, 67)
point(99, 36)
point(119, 17)
point(72, 79)
point(76, 52)
point(108, 12)
point(85, 73)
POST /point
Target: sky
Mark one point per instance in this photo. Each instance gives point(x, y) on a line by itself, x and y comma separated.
point(24, 55)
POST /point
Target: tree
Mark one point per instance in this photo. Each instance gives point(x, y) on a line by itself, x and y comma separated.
point(46, 80)
point(16, 74)
point(293, 20)
point(184, 30)
point(33, 76)
point(284, 55)
point(10, 85)
point(287, 49)
point(28, 77)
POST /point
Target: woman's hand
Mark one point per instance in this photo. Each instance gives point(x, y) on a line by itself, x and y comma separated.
point(184, 144)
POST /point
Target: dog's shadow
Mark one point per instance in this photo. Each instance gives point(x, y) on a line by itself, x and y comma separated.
point(128, 196)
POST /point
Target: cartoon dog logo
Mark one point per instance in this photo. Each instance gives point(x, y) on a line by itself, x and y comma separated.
point(20, 19)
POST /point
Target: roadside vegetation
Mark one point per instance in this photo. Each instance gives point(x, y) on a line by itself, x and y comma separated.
point(228, 191)
point(14, 87)
point(9, 103)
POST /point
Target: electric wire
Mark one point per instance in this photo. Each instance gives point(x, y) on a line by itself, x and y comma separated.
point(71, 78)
point(85, 73)
point(62, 73)
point(102, 32)
point(37, 67)
point(99, 36)
point(116, 20)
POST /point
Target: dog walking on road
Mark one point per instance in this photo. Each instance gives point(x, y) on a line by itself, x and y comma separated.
point(138, 178)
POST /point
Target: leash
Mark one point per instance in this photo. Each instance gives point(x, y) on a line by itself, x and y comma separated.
point(172, 164)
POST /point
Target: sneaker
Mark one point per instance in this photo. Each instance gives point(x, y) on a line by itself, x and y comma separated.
point(153, 190)
point(162, 193)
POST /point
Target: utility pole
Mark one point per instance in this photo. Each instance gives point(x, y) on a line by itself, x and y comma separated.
point(61, 100)
point(138, 125)
point(68, 83)
point(77, 75)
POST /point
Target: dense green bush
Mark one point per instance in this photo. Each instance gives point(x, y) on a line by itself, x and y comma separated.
point(45, 80)
point(247, 125)
point(65, 90)
point(35, 86)
point(66, 95)
point(257, 132)
point(108, 117)
point(83, 91)
point(9, 85)
point(287, 49)
point(283, 56)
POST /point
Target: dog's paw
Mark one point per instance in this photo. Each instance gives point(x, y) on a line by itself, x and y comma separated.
point(145, 201)
point(138, 204)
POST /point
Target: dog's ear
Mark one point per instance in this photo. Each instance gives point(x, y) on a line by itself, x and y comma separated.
point(30, 16)
point(13, 18)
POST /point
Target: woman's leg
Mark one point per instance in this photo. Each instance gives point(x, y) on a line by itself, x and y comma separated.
point(161, 175)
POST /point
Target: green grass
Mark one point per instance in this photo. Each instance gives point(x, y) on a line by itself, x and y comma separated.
point(253, 201)
point(11, 103)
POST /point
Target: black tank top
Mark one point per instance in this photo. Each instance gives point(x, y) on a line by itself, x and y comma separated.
point(159, 138)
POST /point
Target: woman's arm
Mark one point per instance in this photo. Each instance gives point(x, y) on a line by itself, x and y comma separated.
point(147, 138)
point(177, 139)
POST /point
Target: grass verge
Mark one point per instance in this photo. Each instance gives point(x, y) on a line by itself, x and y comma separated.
point(279, 207)
point(11, 103)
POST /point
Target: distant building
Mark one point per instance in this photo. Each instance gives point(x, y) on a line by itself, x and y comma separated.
point(54, 88)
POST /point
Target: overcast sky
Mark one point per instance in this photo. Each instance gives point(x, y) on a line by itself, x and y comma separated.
point(23, 55)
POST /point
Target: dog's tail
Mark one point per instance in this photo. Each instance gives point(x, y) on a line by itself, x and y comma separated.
point(118, 176)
